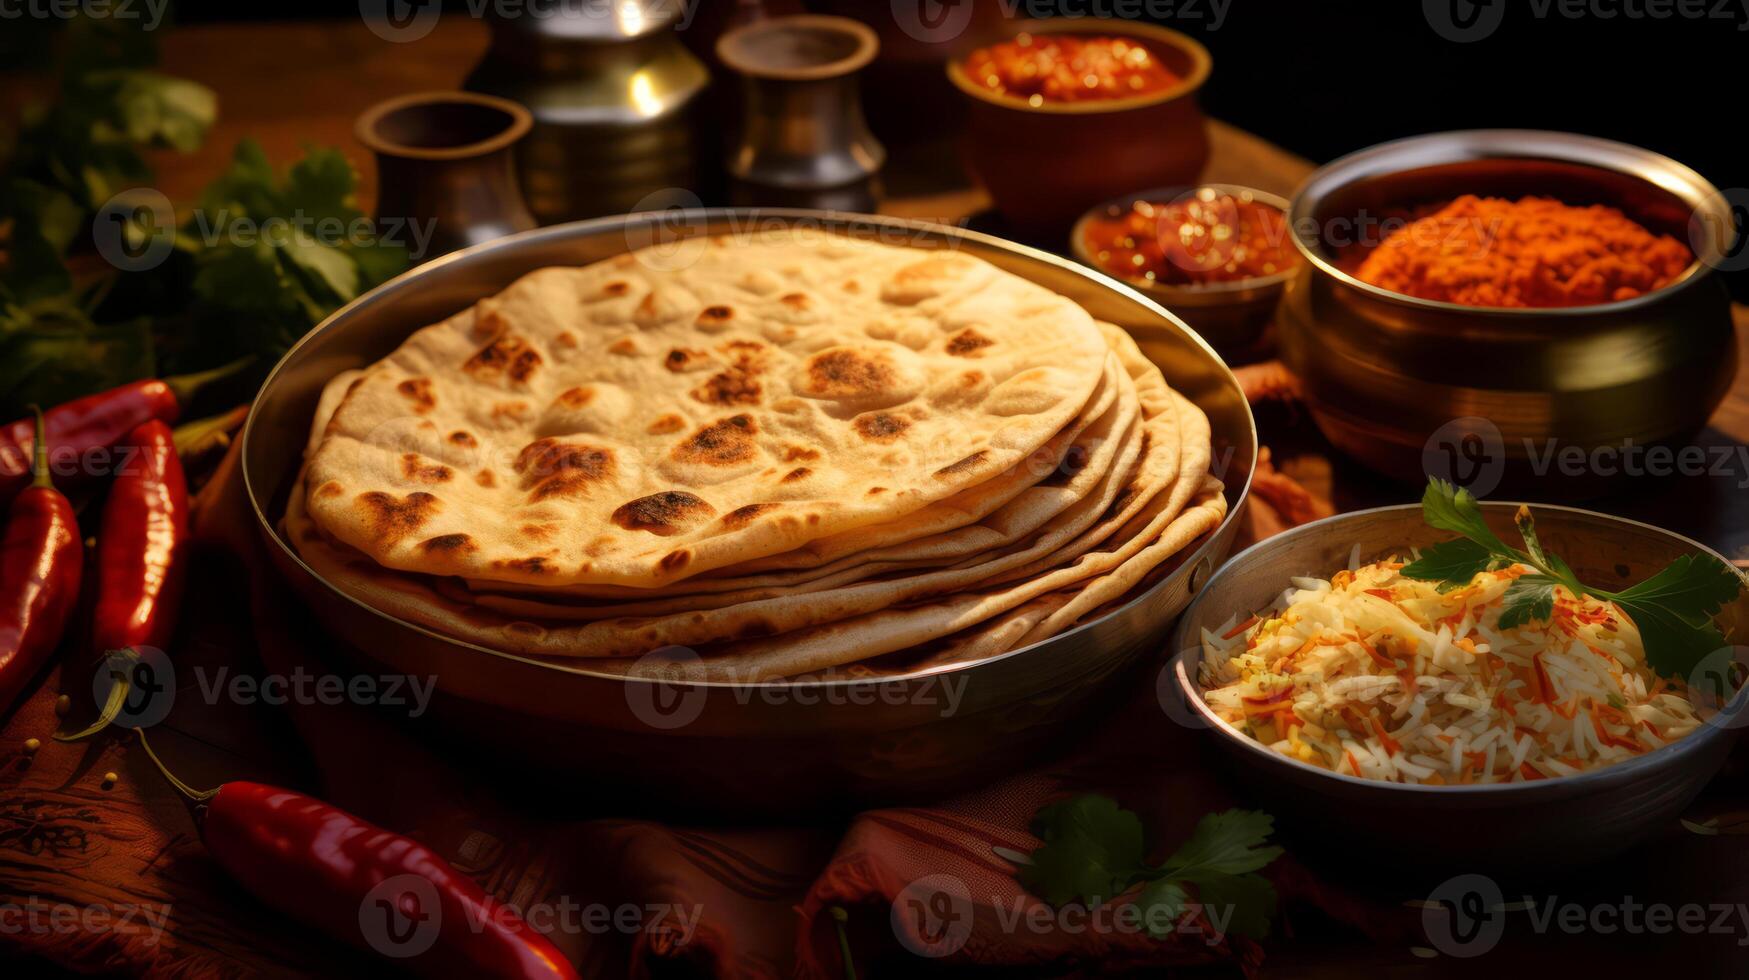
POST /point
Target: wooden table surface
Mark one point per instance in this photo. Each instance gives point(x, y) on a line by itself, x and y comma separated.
point(289, 84)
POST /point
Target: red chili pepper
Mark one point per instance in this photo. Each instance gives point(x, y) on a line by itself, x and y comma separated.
point(83, 430)
point(320, 865)
point(325, 867)
point(40, 562)
point(140, 566)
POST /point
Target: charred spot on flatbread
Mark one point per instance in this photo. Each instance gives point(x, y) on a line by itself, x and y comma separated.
point(881, 426)
point(551, 468)
point(390, 518)
point(724, 442)
point(664, 513)
point(418, 391)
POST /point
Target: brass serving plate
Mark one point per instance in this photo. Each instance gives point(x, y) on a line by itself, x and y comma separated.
point(1384, 373)
point(746, 749)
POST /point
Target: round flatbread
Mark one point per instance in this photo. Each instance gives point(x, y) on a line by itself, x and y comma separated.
point(630, 423)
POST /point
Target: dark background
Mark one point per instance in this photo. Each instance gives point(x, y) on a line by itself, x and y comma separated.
point(1324, 77)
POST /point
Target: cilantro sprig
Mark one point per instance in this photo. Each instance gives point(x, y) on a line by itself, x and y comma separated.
point(1093, 852)
point(1673, 609)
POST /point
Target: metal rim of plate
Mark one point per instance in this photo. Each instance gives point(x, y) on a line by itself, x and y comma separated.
point(1204, 378)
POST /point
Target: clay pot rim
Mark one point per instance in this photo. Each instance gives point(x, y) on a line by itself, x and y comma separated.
point(366, 128)
point(732, 55)
point(1201, 64)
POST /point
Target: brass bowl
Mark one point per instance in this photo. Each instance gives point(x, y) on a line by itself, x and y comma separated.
point(1044, 165)
point(754, 749)
point(1523, 828)
point(1409, 386)
point(1233, 316)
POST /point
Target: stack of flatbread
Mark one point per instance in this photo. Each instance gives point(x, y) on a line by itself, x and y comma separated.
point(782, 457)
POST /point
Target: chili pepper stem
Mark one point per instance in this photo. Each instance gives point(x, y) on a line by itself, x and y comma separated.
point(186, 386)
point(194, 795)
point(118, 695)
point(840, 916)
point(40, 475)
point(192, 437)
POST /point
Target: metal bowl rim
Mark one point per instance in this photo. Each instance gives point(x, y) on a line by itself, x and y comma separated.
point(1556, 141)
point(266, 526)
point(1231, 293)
point(1618, 772)
point(1202, 64)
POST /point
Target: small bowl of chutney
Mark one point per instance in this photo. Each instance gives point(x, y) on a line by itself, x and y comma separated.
point(1217, 255)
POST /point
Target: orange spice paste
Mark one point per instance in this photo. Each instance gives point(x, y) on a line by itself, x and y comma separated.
point(1533, 252)
point(1069, 68)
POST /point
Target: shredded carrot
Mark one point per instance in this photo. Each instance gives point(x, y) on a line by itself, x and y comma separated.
point(1242, 627)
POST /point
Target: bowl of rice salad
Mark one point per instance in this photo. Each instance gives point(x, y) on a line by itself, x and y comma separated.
point(1382, 710)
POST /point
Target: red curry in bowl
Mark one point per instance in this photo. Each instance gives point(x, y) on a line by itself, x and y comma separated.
point(1063, 68)
point(1201, 239)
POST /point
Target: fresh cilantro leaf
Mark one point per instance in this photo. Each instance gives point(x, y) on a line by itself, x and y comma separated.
point(1451, 563)
point(1237, 904)
point(1454, 509)
point(1529, 598)
point(1229, 843)
point(1692, 585)
point(1675, 644)
point(319, 186)
point(1092, 849)
point(1162, 903)
point(1673, 609)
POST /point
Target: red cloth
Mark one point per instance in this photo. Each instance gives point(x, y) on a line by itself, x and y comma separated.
point(743, 902)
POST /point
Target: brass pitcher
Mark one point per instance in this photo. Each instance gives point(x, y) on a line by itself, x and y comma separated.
point(613, 93)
